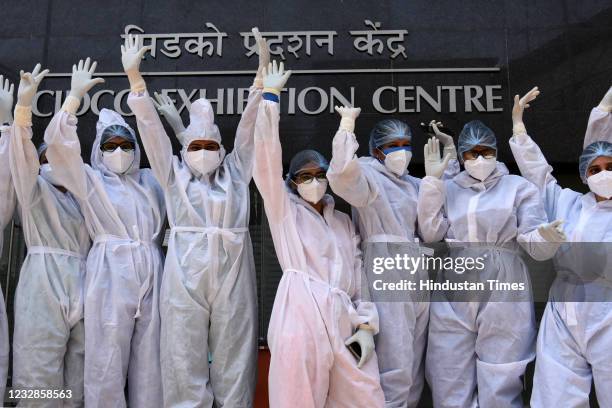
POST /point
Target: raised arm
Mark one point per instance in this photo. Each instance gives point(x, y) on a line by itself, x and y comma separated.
point(432, 222)
point(345, 174)
point(600, 121)
point(530, 159)
point(268, 167)
point(24, 161)
point(242, 154)
point(63, 145)
point(156, 143)
point(7, 191)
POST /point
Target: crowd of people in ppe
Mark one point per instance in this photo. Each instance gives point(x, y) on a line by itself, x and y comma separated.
point(99, 310)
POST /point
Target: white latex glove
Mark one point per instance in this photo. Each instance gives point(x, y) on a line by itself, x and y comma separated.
point(80, 84)
point(606, 102)
point(553, 231)
point(275, 78)
point(434, 165)
point(365, 339)
point(263, 50)
point(447, 140)
point(166, 107)
point(6, 101)
point(348, 116)
point(520, 104)
point(28, 85)
point(132, 52)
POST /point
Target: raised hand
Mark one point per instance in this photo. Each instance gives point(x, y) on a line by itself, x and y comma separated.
point(275, 78)
point(263, 51)
point(434, 165)
point(132, 52)
point(348, 115)
point(520, 104)
point(166, 107)
point(6, 101)
point(82, 80)
point(28, 85)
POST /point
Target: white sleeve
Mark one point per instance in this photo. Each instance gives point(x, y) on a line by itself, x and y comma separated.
point(534, 167)
point(242, 155)
point(268, 167)
point(23, 158)
point(346, 176)
point(7, 191)
point(155, 140)
point(432, 221)
point(530, 215)
point(64, 154)
point(366, 309)
point(599, 126)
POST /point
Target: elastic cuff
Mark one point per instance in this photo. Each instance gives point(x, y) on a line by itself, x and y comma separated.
point(272, 90)
point(23, 115)
point(139, 87)
point(365, 326)
point(71, 104)
point(518, 128)
point(258, 83)
point(347, 124)
point(268, 96)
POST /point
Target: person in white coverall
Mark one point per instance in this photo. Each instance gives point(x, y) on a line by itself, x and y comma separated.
point(318, 309)
point(49, 337)
point(8, 200)
point(124, 212)
point(208, 298)
point(383, 197)
point(478, 349)
point(574, 345)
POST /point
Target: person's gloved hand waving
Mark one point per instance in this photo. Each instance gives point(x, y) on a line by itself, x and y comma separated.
point(131, 56)
point(275, 78)
point(264, 57)
point(434, 165)
point(520, 104)
point(80, 84)
point(553, 231)
point(28, 85)
point(166, 107)
point(365, 339)
point(348, 116)
point(6, 101)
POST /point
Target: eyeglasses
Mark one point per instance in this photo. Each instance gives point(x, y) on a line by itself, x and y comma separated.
point(308, 178)
point(473, 155)
point(111, 147)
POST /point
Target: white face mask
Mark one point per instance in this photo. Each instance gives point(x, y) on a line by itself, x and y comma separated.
point(480, 168)
point(601, 184)
point(397, 161)
point(118, 161)
point(313, 191)
point(46, 172)
point(203, 161)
